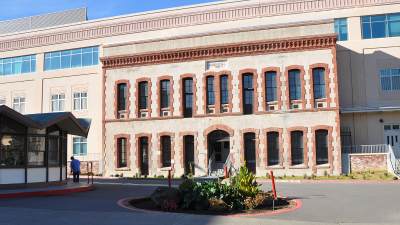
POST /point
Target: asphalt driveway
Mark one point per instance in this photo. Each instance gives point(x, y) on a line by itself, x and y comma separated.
point(323, 203)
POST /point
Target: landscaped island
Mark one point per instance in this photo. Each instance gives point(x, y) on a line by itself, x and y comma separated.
point(239, 194)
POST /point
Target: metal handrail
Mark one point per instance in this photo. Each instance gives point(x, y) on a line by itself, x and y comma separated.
point(89, 164)
point(380, 148)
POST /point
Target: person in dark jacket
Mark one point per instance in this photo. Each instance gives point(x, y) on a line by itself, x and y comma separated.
point(75, 169)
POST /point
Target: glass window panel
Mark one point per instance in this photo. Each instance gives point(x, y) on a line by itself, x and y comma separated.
point(87, 59)
point(366, 30)
point(394, 28)
point(396, 82)
point(378, 29)
point(55, 63)
point(76, 60)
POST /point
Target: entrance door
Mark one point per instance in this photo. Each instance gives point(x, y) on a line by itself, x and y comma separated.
point(188, 144)
point(250, 151)
point(392, 137)
point(144, 155)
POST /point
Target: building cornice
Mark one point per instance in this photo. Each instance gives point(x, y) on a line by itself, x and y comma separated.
point(180, 18)
point(218, 51)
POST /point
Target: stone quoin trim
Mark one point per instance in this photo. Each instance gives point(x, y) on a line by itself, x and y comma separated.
point(280, 133)
point(128, 150)
point(303, 88)
point(181, 92)
point(227, 50)
point(327, 83)
point(160, 21)
point(278, 87)
point(171, 94)
point(257, 145)
point(212, 128)
point(172, 137)
point(330, 147)
point(149, 153)
point(305, 146)
point(335, 78)
point(149, 94)
point(255, 87)
point(128, 97)
point(182, 152)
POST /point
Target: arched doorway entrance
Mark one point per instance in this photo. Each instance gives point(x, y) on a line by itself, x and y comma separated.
point(218, 151)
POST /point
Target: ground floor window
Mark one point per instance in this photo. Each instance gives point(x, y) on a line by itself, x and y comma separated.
point(12, 150)
point(36, 150)
point(321, 144)
point(166, 151)
point(273, 148)
point(79, 146)
point(297, 148)
point(121, 152)
point(144, 155)
point(250, 151)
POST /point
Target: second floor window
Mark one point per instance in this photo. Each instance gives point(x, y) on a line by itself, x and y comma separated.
point(270, 86)
point(143, 94)
point(390, 79)
point(19, 104)
point(122, 96)
point(319, 83)
point(79, 146)
point(80, 101)
point(224, 89)
point(294, 85)
point(380, 26)
point(80, 57)
point(188, 97)
point(57, 102)
point(341, 29)
point(210, 90)
point(248, 93)
point(165, 93)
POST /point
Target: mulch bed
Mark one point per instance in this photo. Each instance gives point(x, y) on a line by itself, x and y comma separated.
point(147, 204)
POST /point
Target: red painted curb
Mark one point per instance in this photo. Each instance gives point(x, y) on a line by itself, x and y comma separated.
point(47, 193)
point(298, 205)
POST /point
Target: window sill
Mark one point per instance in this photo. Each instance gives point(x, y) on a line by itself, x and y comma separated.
point(302, 166)
point(123, 169)
point(323, 166)
point(275, 167)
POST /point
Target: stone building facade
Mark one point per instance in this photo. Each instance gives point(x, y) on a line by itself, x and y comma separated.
point(232, 118)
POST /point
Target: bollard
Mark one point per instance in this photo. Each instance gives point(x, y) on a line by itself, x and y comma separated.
point(273, 189)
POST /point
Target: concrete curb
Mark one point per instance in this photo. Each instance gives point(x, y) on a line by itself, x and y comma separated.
point(42, 193)
point(298, 204)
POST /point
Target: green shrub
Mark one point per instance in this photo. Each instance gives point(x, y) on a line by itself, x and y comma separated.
point(246, 183)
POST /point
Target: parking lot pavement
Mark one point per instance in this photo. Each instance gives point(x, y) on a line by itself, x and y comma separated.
point(323, 203)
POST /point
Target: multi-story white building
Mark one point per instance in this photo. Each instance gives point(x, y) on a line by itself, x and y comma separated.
point(261, 82)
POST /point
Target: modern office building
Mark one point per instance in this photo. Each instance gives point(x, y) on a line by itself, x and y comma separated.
point(271, 84)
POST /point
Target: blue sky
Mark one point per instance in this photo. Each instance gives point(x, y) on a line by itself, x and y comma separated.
point(12, 9)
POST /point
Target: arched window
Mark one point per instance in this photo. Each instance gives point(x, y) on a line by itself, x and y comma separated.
point(165, 151)
point(210, 91)
point(270, 86)
point(248, 93)
point(187, 97)
point(122, 96)
point(224, 89)
point(294, 85)
point(165, 94)
point(321, 145)
point(143, 94)
point(121, 152)
point(319, 83)
point(297, 147)
point(273, 148)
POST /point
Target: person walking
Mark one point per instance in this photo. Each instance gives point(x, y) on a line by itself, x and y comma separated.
point(75, 169)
